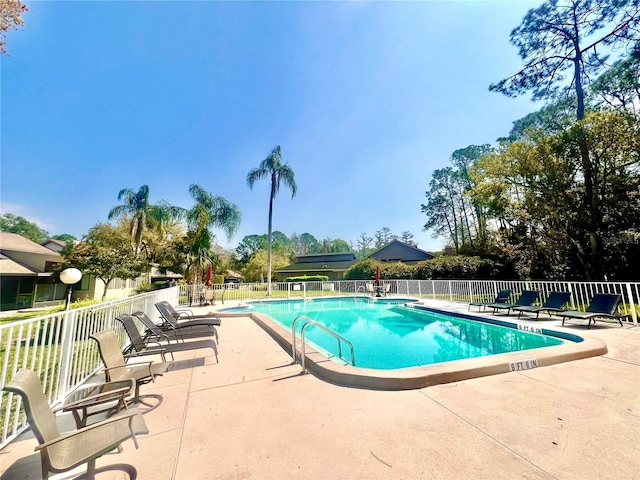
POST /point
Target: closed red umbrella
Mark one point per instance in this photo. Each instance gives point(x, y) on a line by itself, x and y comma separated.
point(209, 276)
point(377, 275)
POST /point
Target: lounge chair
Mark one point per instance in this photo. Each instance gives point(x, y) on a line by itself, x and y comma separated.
point(171, 322)
point(603, 305)
point(185, 316)
point(64, 452)
point(502, 297)
point(168, 333)
point(141, 346)
point(526, 299)
point(555, 303)
point(116, 368)
point(370, 288)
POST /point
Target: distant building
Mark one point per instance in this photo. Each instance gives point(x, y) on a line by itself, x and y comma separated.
point(53, 244)
point(333, 265)
point(27, 279)
point(397, 251)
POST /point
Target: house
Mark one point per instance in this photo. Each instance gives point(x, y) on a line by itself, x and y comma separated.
point(26, 278)
point(333, 265)
point(53, 244)
point(397, 251)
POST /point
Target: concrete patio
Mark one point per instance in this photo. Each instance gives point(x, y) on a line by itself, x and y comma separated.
point(254, 416)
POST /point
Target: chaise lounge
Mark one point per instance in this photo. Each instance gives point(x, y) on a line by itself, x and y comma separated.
point(603, 305)
point(502, 297)
point(555, 303)
point(526, 299)
point(142, 346)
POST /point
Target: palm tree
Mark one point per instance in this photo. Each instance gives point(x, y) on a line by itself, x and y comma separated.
point(136, 205)
point(209, 211)
point(272, 167)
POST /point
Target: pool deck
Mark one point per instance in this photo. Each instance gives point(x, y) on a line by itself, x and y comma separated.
point(254, 416)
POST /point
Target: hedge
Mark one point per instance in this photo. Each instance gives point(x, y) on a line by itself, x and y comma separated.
point(448, 267)
point(308, 278)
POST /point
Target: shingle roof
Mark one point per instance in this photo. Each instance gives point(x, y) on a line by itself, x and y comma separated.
point(318, 266)
point(11, 267)
point(17, 243)
point(326, 257)
point(322, 262)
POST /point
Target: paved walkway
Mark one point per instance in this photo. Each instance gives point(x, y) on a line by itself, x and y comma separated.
point(252, 416)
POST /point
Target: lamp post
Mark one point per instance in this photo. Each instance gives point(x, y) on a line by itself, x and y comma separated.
point(70, 276)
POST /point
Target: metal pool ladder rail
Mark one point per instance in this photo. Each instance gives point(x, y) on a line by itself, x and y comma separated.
point(308, 322)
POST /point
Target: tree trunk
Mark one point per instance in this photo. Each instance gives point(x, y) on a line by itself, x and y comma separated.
point(270, 240)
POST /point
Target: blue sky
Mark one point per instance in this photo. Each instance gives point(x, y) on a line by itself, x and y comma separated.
point(366, 99)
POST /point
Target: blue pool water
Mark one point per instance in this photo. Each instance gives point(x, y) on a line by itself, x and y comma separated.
point(387, 335)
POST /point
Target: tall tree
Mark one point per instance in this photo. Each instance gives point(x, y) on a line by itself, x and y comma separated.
point(619, 87)
point(444, 211)
point(407, 237)
point(135, 207)
point(10, 18)
point(383, 236)
point(105, 252)
point(363, 243)
point(249, 245)
point(570, 36)
point(209, 211)
point(335, 245)
point(16, 224)
point(305, 244)
point(278, 172)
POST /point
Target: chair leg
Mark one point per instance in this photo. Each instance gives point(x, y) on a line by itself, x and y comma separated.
point(92, 470)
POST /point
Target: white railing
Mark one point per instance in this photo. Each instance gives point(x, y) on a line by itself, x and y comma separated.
point(58, 348)
point(463, 291)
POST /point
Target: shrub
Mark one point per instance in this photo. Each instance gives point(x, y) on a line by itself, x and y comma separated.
point(308, 278)
point(446, 267)
point(364, 270)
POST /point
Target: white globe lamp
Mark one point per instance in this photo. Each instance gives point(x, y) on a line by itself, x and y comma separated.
point(70, 276)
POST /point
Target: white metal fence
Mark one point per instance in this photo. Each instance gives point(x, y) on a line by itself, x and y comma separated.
point(59, 349)
point(463, 291)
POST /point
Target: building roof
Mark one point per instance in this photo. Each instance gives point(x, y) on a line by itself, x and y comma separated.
point(321, 262)
point(54, 242)
point(11, 267)
point(12, 242)
point(397, 251)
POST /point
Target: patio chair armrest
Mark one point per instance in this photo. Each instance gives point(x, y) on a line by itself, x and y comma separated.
point(101, 397)
point(104, 425)
point(131, 365)
point(184, 311)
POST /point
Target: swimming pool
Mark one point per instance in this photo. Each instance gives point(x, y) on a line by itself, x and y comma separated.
point(398, 345)
point(387, 335)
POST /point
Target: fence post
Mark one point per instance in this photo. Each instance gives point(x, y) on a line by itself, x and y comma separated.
point(470, 293)
point(66, 351)
point(450, 292)
point(634, 315)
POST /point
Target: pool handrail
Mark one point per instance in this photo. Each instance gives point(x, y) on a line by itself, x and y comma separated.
point(308, 322)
